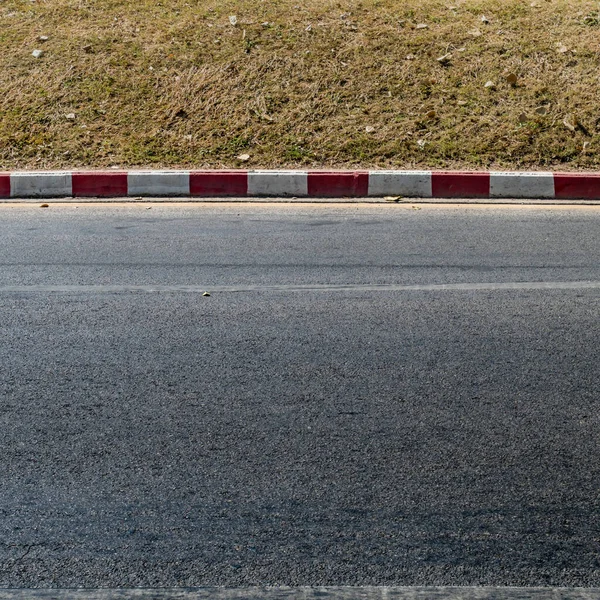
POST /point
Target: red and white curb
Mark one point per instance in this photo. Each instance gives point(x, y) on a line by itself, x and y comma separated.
point(300, 184)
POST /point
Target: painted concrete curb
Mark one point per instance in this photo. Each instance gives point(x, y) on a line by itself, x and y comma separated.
point(300, 184)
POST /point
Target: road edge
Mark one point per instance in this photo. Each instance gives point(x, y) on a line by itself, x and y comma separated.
point(283, 184)
point(307, 593)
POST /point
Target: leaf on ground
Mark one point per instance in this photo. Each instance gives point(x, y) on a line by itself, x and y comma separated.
point(233, 20)
point(523, 118)
point(369, 129)
point(511, 79)
point(541, 110)
point(445, 60)
point(243, 157)
point(421, 26)
point(490, 85)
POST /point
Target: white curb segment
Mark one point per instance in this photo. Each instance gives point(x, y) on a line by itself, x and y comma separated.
point(278, 183)
point(158, 183)
point(40, 185)
point(400, 183)
point(521, 185)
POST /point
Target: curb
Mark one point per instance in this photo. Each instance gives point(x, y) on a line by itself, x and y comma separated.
point(301, 184)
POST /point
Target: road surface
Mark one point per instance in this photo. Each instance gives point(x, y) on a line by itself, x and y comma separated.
point(370, 395)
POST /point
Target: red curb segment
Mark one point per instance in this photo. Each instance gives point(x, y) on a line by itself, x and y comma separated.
point(338, 185)
point(571, 186)
point(460, 185)
point(218, 183)
point(4, 185)
point(103, 185)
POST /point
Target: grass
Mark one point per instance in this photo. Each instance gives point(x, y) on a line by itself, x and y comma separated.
point(317, 83)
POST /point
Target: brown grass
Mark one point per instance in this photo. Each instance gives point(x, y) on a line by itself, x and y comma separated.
point(296, 83)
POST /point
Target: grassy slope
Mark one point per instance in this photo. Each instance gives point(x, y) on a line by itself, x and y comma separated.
point(174, 84)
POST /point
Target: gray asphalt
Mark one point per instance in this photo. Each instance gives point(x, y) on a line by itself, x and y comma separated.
point(306, 593)
point(312, 421)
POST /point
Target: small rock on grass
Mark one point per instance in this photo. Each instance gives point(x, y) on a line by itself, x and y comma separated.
point(43, 38)
point(490, 85)
point(37, 53)
point(369, 129)
point(570, 122)
point(243, 157)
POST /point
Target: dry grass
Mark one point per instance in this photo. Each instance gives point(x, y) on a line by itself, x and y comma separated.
point(296, 83)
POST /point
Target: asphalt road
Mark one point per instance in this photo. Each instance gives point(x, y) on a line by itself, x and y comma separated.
point(330, 415)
